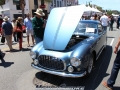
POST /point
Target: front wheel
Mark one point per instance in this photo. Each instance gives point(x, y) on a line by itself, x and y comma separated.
point(90, 65)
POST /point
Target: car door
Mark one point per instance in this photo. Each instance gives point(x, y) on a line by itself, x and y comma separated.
point(101, 38)
point(104, 37)
point(98, 39)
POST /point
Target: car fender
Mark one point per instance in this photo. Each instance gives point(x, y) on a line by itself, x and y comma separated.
point(37, 47)
point(83, 53)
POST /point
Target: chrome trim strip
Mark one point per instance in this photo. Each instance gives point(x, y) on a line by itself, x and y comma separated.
point(59, 73)
point(100, 52)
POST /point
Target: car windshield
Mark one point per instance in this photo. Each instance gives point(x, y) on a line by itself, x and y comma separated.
point(85, 27)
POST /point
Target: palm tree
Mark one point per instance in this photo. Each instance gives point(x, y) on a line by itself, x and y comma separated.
point(22, 6)
point(2, 2)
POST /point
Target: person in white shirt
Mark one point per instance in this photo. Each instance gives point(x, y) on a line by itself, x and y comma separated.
point(92, 17)
point(104, 21)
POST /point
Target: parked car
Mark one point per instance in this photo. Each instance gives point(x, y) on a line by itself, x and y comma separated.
point(70, 45)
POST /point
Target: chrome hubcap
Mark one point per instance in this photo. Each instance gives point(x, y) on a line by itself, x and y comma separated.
point(90, 66)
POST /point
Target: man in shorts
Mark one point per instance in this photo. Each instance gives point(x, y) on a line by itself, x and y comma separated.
point(29, 28)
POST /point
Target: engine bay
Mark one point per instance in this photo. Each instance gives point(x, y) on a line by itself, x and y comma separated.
point(75, 39)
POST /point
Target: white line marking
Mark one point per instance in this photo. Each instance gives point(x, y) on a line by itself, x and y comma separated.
point(111, 42)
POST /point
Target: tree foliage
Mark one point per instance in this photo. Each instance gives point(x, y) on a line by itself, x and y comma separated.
point(109, 12)
point(89, 4)
point(99, 8)
point(2, 2)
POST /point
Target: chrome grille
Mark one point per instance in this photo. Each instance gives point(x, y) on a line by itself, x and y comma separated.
point(51, 62)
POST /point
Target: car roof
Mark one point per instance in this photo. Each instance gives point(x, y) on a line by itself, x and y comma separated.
point(90, 21)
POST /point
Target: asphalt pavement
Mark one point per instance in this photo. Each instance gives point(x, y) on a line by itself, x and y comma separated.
point(17, 73)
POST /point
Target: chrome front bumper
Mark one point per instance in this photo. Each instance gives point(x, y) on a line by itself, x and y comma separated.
point(59, 73)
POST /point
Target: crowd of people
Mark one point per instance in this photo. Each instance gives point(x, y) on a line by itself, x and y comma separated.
point(106, 20)
point(33, 26)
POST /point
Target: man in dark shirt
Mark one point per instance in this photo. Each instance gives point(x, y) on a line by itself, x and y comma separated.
point(118, 22)
point(7, 30)
point(38, 25)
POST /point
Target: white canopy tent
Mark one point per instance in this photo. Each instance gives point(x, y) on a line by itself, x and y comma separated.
point(91, 11)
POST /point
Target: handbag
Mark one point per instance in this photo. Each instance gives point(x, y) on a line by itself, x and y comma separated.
point(3, 39)
point(17, 29)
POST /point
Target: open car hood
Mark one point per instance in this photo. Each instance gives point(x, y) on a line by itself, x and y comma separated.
point(60, 26)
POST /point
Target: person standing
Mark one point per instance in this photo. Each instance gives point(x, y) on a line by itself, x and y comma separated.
point(7, 30)
point(104, 20)
point(29, 28)
point(115, 69)
point(111, 22)
point(14, 33)
point(2, 35)
point(118, 22)
point(82, 18)
point(19, 31)
point(1, 21)
point(38, 25)
point(95, 17)
point(1, 57)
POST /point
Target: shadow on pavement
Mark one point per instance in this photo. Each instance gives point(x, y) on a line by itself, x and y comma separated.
point(26, 49)
point(116, 88)
point(6, 64)
point(101, 67)
point(17, 50)
point(91, 83)
point(2, 44)
point(110, 37)
point(42, 79)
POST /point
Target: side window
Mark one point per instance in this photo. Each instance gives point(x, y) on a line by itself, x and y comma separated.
point(100, 28)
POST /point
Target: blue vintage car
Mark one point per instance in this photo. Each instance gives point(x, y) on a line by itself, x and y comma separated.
point(70, 45)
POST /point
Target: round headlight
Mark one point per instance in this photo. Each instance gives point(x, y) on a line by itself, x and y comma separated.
point(33, 55)
point(75, 62)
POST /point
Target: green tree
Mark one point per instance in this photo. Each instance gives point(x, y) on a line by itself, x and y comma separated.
point(2, 2)
point(99, 8)
point(90, 4)
point(109, 12)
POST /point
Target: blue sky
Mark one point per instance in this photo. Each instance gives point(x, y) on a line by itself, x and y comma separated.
point(105, 4)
